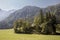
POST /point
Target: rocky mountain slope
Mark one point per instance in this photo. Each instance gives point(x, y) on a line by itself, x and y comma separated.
point(27, 12)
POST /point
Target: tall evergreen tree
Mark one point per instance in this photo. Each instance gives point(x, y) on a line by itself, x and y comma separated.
point(53, 20)
point(48, 16)
point(41, 16)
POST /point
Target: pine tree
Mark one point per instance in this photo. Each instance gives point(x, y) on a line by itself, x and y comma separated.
point(41, 16)
point(39, 19)
point(36, 20)
point(48, 16)
point(53, 20)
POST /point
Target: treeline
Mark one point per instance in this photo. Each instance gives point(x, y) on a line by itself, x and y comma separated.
point(42, 24)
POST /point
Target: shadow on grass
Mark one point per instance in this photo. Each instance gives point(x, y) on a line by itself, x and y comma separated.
point(51, 34)
point(39, 33)
point(57, 33)
point(22, 33)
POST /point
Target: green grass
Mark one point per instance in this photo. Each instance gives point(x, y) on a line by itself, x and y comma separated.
point(8, 34)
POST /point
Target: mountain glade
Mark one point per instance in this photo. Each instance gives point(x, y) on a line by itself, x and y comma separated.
point(34, 16)
point(41, 24)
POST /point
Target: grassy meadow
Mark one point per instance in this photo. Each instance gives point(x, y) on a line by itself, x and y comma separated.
point(8, 34)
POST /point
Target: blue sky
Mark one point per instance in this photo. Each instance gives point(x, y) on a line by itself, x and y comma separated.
point(18, 4)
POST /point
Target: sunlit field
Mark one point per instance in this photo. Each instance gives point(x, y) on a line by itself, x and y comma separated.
point(8, 34)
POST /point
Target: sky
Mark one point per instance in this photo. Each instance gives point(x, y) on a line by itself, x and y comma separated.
point(18, 4)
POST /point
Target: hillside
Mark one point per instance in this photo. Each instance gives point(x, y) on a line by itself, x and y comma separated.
point(28, 12)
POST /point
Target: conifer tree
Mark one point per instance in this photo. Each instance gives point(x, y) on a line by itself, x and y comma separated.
point(41, 16)
point(48, 16)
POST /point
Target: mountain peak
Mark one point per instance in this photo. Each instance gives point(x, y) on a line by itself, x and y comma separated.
point(31, 7)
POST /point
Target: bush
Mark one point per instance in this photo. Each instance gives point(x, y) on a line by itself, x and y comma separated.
point(22, 26)
point(18, 26)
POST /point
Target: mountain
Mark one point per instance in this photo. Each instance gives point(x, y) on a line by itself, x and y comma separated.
point(27, 12)
point(4, 14)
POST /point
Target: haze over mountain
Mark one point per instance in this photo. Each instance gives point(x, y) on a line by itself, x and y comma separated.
point(26, 12)
point(4, 14)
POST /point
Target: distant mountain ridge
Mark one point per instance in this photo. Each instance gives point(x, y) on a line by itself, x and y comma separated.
point(26, 12)
point(4, 14)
